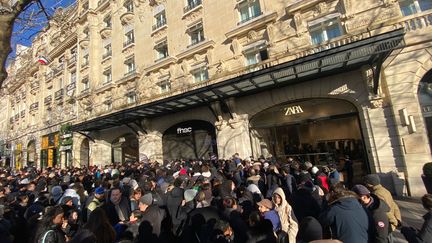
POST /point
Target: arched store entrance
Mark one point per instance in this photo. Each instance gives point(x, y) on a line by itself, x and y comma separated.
point(193, 139)
point(31, 153)
point(321, 131)
point(85, 153)
point(425, 100)
point(125, 149)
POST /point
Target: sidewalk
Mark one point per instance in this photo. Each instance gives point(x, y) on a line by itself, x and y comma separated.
point(412, 214)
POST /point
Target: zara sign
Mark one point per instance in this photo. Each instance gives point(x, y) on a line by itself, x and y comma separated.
point(293, 110)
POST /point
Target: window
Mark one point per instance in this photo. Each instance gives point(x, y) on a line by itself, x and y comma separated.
point(161, 50)
point(160, 20)
point(107, 51)
point(60, 83)
point(85, 60)
point(248, 10)
point(108, 105)
point(129, 6)
point(325, 31)
point(107, 76)
point(256, 55)
point(107, 21)
point(196, 34)
point(85, 84)
point(165, 86)
point(72, 77)
point(129, 38)
point(191, 4)
point(409, 7)
point(130, 65)
point(131, 97)
point(200, 74)
point(86, 32)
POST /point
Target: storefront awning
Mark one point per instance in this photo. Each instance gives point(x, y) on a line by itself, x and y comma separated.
point(351, 56)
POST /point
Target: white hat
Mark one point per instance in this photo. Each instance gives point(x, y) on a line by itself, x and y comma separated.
point(24, 181)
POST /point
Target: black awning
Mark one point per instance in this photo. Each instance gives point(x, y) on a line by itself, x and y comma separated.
point(323, 63)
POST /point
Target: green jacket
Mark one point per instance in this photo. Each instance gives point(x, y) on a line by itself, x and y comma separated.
point(394, 215)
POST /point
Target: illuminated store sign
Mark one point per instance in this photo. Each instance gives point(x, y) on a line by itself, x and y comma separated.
point(185, 130)
point(292, 110)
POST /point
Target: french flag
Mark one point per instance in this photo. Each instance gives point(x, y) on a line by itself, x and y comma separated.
point(43, 60)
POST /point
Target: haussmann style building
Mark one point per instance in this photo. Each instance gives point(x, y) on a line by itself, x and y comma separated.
point(157, 80)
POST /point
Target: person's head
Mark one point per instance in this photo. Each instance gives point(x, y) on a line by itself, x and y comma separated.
point(53, 216)
point(371, 180)
point(145, 201)
point(224, 228)
point(363, 193)
point(116, 195)
point(99, 193)
point(68, 201)
point(97, 218)
point(137, 194)
point(277, 199)
point(31, 186)
point(427, 201)
point(265, 205)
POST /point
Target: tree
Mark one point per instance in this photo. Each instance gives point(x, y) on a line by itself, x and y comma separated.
point(9, 12)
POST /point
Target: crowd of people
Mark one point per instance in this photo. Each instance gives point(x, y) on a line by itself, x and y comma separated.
point(197, 201)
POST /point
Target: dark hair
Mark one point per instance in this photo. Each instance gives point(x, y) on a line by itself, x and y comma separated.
point(47, 219)
point(99, 224)
point(427, 201)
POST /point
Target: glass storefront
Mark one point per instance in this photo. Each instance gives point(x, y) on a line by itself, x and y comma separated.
point(321, 131)
point(49, 150)
point(189, 140)
point(125, 149)
point(425, 100)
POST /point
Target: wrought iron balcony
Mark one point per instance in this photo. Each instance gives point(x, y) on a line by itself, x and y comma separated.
point(107, 54)
point(128, 42)
point(49, 76)
point(48, 100)
point(191, 5)
point(70, 86)
point(159, 24)
point(34, 106)
point(59, 94)
point(72, 60)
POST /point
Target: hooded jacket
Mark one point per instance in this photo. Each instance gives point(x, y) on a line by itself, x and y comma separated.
point(286, 215)
point(174, 201)
point(347, 220)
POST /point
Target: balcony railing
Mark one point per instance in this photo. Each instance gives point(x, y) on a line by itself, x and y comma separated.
point(128, 42)
point(195, 42)
point(59, 94)
point(59, 69)
point(70, 86)
point(191, 5)
point(159, 24)
point(85, 64)
point(48, 100)
point(72, 60)
point(23, 113)
point(107, 54)
point(34, 106)
point(49, 76)
point(248, 18)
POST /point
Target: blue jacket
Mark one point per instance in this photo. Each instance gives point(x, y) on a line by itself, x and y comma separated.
point(347, 220)
point(273, 216)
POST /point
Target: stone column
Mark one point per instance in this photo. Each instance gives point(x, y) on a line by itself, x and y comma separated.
point(100, 153)
point(150, 146)
point(233, 137)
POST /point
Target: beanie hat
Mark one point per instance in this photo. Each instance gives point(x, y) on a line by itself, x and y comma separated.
point(360, 190)
point(372, 179)
point(189, 195)
point(100, 190)
point(266, 203)
point(309, 230)
point(56, 193)
point(147, 199)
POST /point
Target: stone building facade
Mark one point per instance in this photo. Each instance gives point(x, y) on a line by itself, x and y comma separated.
point(153, 80)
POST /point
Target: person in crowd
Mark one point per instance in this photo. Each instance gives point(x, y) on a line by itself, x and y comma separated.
point(99, 225)
point(118, 207)
point(265, 207)
point(97, 201)
point(50, 227)
point(286, 214)
point(150, 220)
point(425, 233)
point(379, 225)
point(373, 183)
point(345, 217)
point(136, 195)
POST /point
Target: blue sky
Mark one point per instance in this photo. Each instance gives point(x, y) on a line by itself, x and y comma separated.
point(25, 32)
